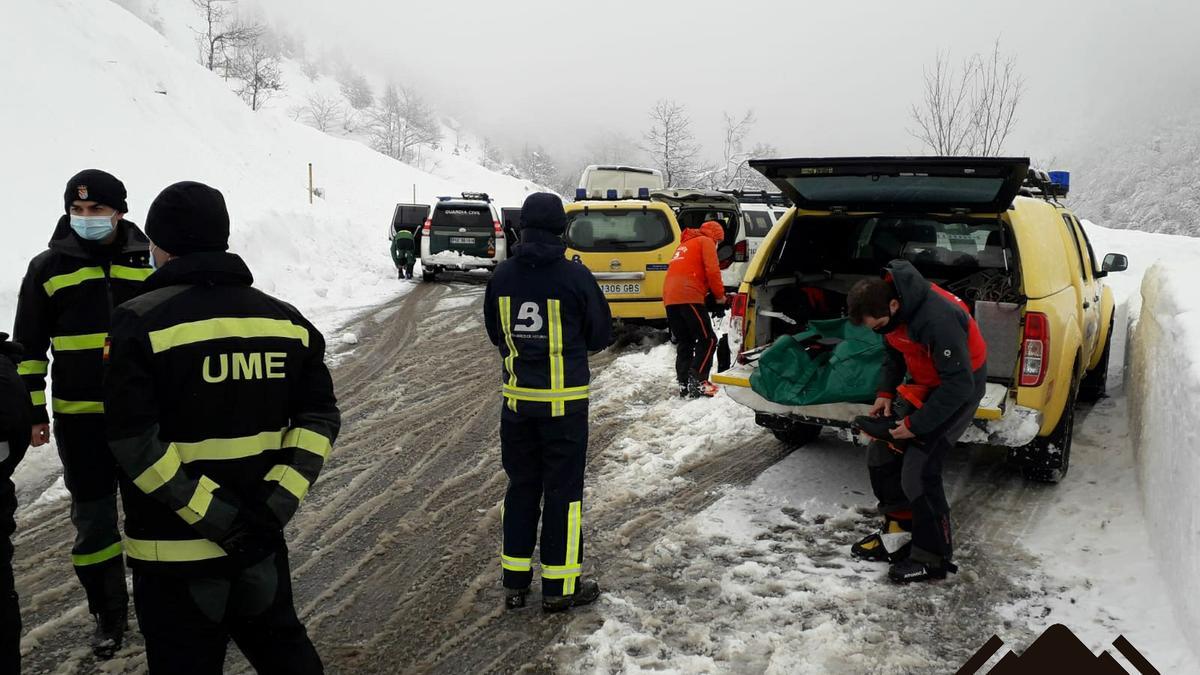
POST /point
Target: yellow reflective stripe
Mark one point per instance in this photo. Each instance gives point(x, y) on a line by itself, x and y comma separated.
point(197, 506)
point(38, 398)
point(563, 572)
point(74, 407)
point(506, 325)
point(308, 440)
point(574, 518)
point(184, 550)
point(558, 408)
point(228, 448)
point(75, 343)
point(290, 479)
point(130, 273)
point(225, 327)
point(33, 368)
point(106, 553)
point(545, 395)
point(516, 564)
point(159, 472)
point(56, 284)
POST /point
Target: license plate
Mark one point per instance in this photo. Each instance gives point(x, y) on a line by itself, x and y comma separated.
point(462, 240)
point(621, 289)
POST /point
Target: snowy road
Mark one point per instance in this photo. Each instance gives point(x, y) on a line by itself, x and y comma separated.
point(718, 555)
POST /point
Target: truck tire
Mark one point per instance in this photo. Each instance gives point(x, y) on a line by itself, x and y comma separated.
point(428, 275)
point(797, 434)
point(1047, 458)
point(1095, 383)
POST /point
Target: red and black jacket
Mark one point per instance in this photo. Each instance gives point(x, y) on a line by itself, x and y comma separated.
point(937, 343)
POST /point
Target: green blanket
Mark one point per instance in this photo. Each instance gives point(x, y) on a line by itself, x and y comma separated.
point(797, 370)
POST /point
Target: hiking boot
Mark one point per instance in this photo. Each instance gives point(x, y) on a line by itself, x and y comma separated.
point(683, 390)
point(109, 634)
point(514, 598)
point(701, 388)
point(908, 571)
point(585, 594)
point(890, 544)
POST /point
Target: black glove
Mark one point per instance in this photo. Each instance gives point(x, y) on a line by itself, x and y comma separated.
point(252, 537)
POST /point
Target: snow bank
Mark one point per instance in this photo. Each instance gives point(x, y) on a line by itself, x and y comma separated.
point(1165, 382)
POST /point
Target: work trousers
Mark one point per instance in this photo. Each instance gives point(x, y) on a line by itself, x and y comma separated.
point(695, 342)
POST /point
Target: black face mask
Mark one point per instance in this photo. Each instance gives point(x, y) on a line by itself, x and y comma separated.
point(887, 327)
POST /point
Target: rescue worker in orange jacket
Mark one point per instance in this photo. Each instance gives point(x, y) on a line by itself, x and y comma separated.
point(694, 273)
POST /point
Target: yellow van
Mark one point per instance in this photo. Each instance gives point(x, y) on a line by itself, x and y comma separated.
point(988, 230)
point(627, 244)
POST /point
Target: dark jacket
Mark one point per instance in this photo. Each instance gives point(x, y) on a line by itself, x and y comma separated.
point(545, 313)
point(937, 343)
point(403, 248)
point(217, 399)
point(14, 429)
point(65, 306)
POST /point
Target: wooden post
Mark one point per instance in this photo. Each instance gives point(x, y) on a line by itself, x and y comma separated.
point(414, 193)
point(310, 183)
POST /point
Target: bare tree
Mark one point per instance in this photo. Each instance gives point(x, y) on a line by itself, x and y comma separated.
point(401, 123)
point(734, 171)
point(537, 166)
point(219, 33)
point(311, 69)
point(321, 112)
point(257, 66)
point(493, 157)
point(356, 89)
point(671, 145)
point(971, 110)
point(611, 148)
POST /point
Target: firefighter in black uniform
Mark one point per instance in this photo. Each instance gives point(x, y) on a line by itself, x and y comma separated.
point(221, 413)
point(545, 314)
point(95, 261)
point(14, 439)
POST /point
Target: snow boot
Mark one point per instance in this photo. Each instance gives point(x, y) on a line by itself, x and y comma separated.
point(890, 544)
point(697, 388)
point(586, 594)
point(110, 633)
point(683, 390)
point(514, 598)
point(908, 571)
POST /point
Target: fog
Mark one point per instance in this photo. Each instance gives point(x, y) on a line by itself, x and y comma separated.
point(822, 78)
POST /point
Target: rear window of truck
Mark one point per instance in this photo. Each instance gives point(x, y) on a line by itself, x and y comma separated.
point(617, 230)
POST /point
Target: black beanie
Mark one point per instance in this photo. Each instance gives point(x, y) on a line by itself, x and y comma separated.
point(188, 218)
point(544, 211)
point(94, 185)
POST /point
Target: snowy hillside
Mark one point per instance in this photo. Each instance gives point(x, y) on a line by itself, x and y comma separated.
point(138, 106)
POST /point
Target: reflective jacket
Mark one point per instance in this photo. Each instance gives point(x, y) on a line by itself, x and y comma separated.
point(695, 271)
point(937, 343)
point(217, 398)
point(65, 304)
point(545, 314)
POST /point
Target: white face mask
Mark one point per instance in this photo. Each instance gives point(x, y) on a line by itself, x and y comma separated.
point(92, 228)
point(153, 264)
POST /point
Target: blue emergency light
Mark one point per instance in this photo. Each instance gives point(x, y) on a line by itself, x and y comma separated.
point(1061, 179)
point(643, 193)
point(580, 194)
point(612, 194)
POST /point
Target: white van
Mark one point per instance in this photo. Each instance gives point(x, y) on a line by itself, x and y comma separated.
point(599, 179)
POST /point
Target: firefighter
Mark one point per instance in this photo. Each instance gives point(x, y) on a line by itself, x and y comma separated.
point(931, 338)
point(14, 439)
point(221, 413)
point(545, 314)
point(96, 260)
point(404, 253)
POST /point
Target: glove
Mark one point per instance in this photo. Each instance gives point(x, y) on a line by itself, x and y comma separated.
point(252, 537)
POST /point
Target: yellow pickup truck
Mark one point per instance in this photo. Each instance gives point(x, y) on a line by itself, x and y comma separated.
point(989, 230)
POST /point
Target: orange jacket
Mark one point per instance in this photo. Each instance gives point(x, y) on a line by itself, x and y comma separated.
point(694, 271)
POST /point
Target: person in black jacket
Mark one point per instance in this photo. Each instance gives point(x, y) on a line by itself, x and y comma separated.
point(221, 413)
point(14, 439)
point(545, 314)
point(96, 260)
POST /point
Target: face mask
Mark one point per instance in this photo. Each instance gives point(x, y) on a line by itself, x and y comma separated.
point(887, 327)
point(92, 228)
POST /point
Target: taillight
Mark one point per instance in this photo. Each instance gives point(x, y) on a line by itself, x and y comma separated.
point(737, 322)
point(1035, 349)
point(428, 225)
point(499, 229)
point(741, 251)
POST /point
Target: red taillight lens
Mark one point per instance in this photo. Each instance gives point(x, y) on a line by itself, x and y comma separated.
point(428, 225)
point(1035, 349)
point(738, 305)
point(741, 251)
point(499, 229)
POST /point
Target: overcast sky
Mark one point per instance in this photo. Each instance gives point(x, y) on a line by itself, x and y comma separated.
point(823, 78)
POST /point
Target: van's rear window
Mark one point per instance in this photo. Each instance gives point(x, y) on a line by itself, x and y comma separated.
point(904, 189)
point(470, 217)
point(617, 230)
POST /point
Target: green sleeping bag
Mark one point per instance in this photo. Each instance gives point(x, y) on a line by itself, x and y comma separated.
point(834, 361)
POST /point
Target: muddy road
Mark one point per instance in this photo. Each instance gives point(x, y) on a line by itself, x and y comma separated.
point(394, 553)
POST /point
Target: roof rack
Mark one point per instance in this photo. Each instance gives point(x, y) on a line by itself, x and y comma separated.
point(1046, 185)
point(477, 196)
point(759, 197)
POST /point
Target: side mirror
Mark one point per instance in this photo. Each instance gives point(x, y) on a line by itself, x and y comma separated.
point(1115, 262)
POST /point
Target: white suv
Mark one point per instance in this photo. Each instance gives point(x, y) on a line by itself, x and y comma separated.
point(693, 208)
point(462, 234)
